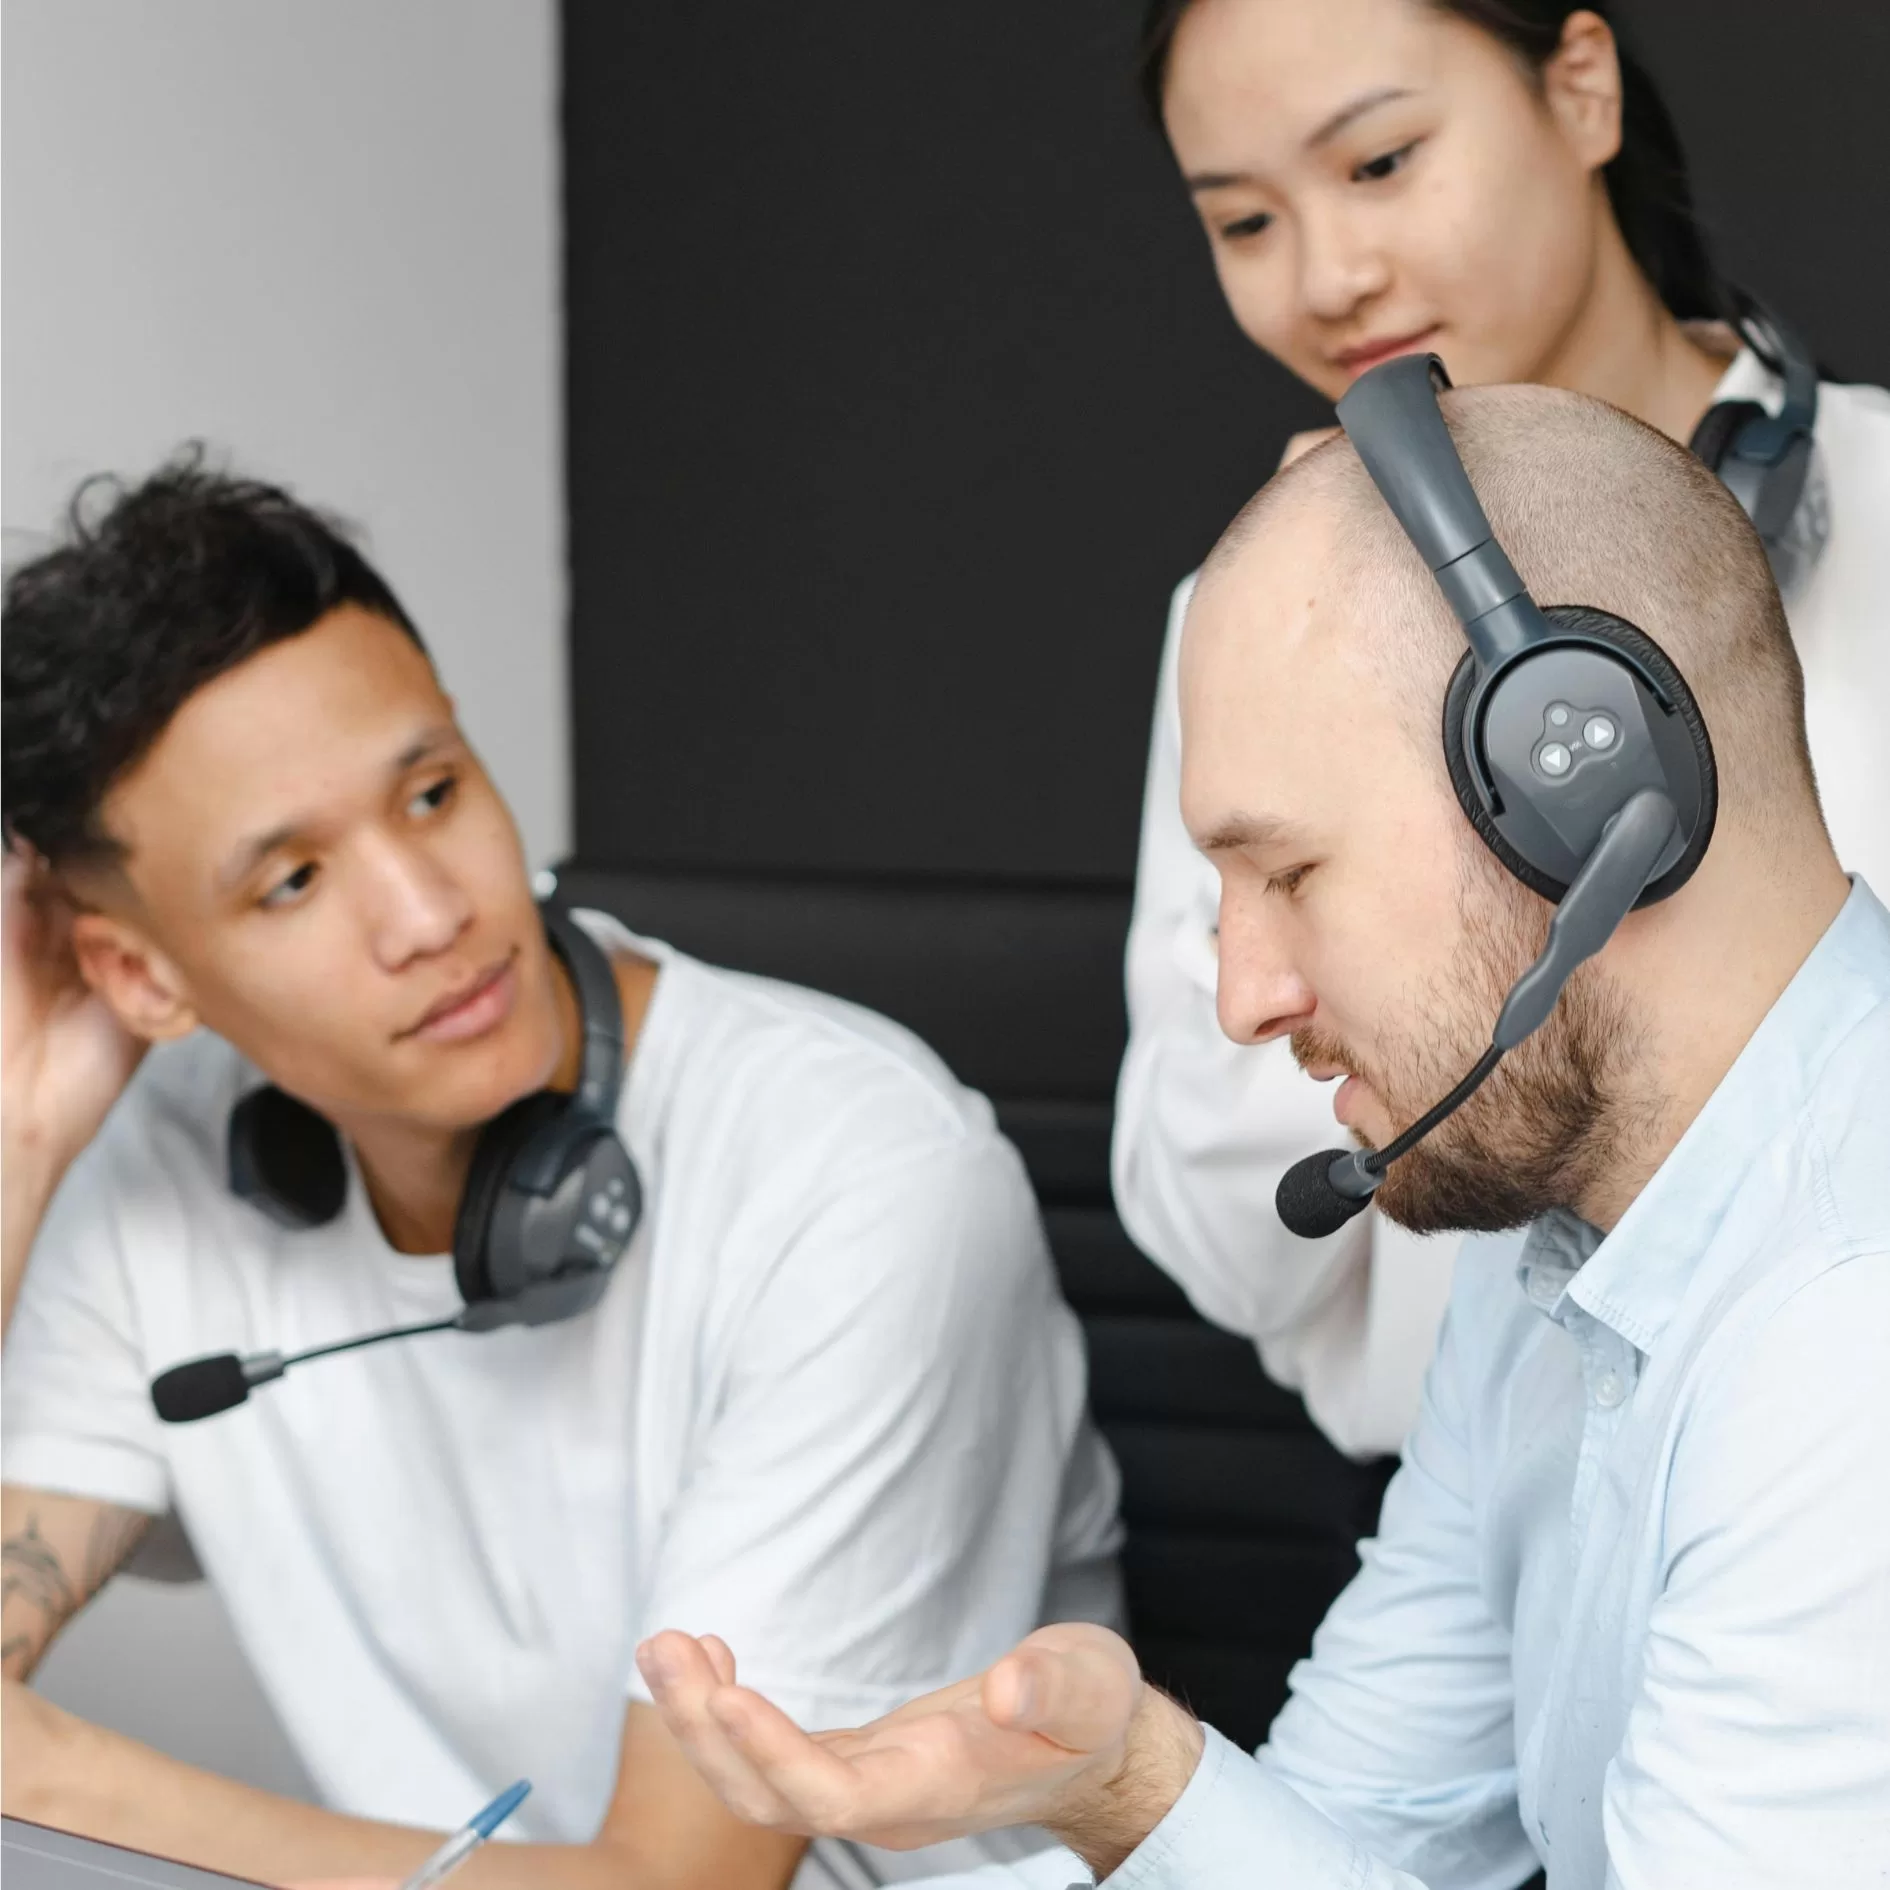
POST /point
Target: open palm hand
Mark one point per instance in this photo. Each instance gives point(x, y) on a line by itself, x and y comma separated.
point(1007, 1747)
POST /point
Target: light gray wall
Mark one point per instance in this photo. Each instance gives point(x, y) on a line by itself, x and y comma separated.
point(321, 235)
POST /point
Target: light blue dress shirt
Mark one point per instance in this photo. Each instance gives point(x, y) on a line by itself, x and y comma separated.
point(1629, 1607)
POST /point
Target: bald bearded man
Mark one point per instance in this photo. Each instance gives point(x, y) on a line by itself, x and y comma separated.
point(1629, 1609)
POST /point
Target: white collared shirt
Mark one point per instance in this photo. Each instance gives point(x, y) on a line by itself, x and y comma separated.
point(1629, 1606)
point(1205, 1128)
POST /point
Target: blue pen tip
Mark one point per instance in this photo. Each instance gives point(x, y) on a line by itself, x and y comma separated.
point(501, 1808)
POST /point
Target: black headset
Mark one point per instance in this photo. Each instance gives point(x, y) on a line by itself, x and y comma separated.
point(552, 1198)
point(1764, 459)
point(1573, 742)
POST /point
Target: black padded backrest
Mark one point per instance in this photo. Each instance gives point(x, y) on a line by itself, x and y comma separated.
point(1242, 1519)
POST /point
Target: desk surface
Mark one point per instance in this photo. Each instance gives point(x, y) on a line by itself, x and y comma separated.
point(36, 1857)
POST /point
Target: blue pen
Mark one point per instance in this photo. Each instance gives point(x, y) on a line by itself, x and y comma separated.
point(468, 1838)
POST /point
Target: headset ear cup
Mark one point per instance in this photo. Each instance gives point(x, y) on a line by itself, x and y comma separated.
point(500, 1144)
point(1638, 645)
point(1592, 626)
point(1469, 796)
point(286, 1160)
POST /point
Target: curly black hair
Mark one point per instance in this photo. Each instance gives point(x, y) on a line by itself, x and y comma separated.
point(157, 589)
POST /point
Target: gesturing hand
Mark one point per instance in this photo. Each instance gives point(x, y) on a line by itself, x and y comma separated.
point(1061, 1732)
point(64, 1057)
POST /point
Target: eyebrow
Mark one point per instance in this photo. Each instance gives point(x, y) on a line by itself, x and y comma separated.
point(1353, 109)
point(251, 852)
point(1252, 830)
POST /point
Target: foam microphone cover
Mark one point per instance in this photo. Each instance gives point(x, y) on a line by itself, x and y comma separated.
point(200, 1389)
point(1307, 1202)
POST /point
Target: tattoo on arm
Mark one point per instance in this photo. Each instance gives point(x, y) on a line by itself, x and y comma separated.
point(114, 1534)
point(38, 1593)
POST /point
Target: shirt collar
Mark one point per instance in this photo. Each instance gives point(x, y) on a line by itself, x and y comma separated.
point(1748, 378)
point(1558, 1246)
point(1633, 1279)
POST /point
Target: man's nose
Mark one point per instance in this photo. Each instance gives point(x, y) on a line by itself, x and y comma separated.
point(1261, 993)
point(418, 908)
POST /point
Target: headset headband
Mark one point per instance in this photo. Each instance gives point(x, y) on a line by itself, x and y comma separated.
point(1392, 418)
point(1767, 437)
point(600, 1012)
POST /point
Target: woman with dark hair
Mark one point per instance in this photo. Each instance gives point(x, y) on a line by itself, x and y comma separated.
point(1498, 182)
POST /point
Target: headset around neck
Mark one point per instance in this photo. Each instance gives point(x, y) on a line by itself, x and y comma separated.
point(552, 1197)
point(1764, 459)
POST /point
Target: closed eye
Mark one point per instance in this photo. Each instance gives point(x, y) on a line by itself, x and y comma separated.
point(1375, 170)
point(1288, 882)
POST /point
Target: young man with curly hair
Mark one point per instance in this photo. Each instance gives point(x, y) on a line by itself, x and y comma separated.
point(830, 1392)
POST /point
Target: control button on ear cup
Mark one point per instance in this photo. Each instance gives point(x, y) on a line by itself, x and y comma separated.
point(1553, 797)
point(1562, 748)
point(578, 1214)
point(1656, 737)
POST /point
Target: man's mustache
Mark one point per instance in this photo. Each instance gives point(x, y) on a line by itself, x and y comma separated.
point(1312, 1048)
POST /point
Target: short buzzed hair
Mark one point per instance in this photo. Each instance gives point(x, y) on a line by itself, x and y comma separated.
point(1593, 508)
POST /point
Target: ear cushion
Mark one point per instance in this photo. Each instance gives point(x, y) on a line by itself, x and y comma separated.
point(1588, 625)
point(500, 1144)
point(286, 1160)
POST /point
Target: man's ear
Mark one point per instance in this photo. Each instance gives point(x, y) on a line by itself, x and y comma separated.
point(1581, 83)
point(143, 988)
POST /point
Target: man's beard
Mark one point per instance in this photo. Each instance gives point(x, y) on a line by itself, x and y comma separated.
point(1546, 1124)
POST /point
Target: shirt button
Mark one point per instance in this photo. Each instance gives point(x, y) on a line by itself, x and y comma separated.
point(1610, 1389)
point(1544, 1289)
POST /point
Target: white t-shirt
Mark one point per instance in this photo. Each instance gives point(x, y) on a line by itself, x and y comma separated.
point(831, 1408)
point(1205, 1128)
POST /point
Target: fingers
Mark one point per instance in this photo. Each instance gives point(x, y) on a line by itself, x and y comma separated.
point(720, 1658)
point(685, 1680)
point(824, 1792)
point(21, 880)
point(875, 1782)
point(967, 1758)
point(38, 911)
point(1074, 1685)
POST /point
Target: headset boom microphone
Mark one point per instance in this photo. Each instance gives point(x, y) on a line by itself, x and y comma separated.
point(1319, 1195)
point(548, 1208)
point(201, 1387)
